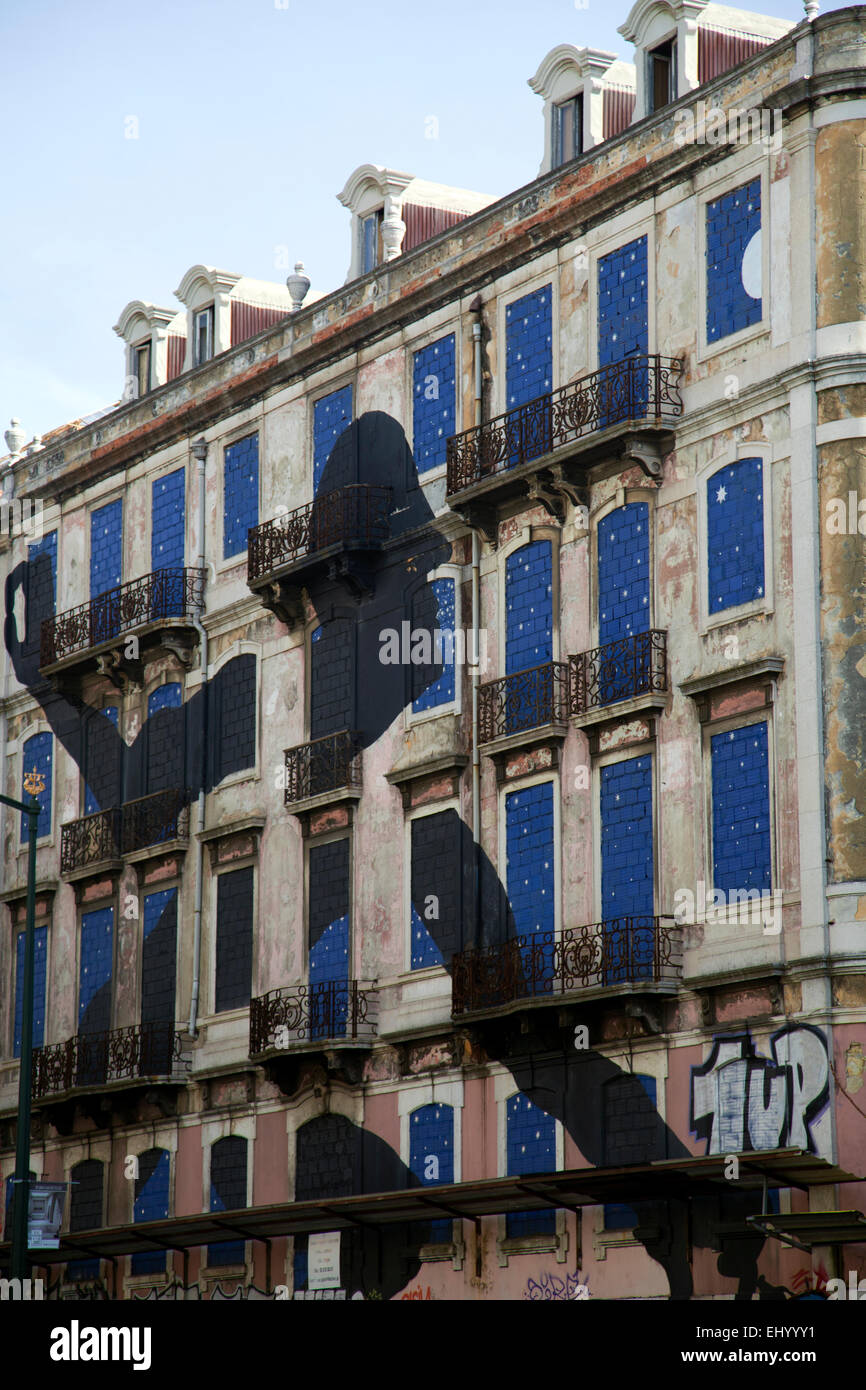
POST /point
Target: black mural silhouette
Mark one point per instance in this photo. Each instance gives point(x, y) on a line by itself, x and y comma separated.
point(364, 601)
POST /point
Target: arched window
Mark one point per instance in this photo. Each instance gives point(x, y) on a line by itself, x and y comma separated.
point(85, 1211)
point(234, 716)
point(531, 1148)
point(151, 1204)
point(431, 1155)
point(228, 1192)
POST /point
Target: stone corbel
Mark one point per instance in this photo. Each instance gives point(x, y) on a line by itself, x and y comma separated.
point(123, 672)
point(646, 452)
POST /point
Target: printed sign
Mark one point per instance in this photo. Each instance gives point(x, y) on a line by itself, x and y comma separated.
point(323, 1260)
point(45, 1215)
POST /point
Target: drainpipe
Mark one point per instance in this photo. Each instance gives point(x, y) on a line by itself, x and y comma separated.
point(199, 450)
point(475, 309)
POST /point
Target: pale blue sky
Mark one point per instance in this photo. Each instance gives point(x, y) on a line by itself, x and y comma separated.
point(251, 117)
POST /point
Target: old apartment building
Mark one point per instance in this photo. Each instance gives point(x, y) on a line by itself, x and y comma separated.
point(326, 906)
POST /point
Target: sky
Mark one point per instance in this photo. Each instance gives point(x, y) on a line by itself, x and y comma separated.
point(140, 139)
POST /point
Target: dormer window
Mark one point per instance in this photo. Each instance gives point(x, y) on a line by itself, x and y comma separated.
point(662, 74)
point(141, 366)
point(567, 130)
point(371, 232)
point(203, 336)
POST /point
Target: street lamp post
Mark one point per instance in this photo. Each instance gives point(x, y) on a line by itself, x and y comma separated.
point(34, 782)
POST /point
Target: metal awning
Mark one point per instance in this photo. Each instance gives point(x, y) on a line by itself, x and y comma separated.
point(806, 1229)
point(676, 1178)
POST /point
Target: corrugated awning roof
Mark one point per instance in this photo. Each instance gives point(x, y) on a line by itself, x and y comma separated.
point(676, 1178)
point(806, 1229)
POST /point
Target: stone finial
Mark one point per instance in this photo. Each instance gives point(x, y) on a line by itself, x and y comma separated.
point(811, 7)
point(298, 286)
point(15, 437)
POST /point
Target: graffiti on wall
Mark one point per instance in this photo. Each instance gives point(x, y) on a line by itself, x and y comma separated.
point(741, 1101)
point(550, 1288)
point(416, 1293)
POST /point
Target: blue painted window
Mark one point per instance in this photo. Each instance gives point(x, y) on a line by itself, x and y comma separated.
point(329, 937)
point(529, 347)
point(46, 546)
point(529, 607)
point(531, 1148)
point(331, 416)
point(735, 535)
point(95, 970)
point(38, 753)
point(151, 1204)
point(168, 521)
point(85, 1211)
point(632, 1128)
point(164, 697)
point(622, 303)
point(91, 804)
point(228, 1192)
point(734, 261)
point(158, 978)
point(531, 879)
point(40, 953)
point(437, 873)
point(627, 868)
point(431, 1154)
point(441, 690)
point(240, 494)
point(434, 402)
point(623, 573)
point(741, 809)
point(106, 547)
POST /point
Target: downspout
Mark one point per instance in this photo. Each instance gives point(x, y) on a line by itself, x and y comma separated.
point(475, 309)
point(199, 450)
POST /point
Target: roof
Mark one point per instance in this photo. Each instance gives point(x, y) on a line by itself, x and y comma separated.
point(578, 1187)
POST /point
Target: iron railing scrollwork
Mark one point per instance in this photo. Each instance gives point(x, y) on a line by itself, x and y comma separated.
point(168, 593)
point(150, 820)
point(621, 950)
point(526, 700)
point(307, 1013)
point(356, 514)
point(326, 764)
point(643, 387)
point(621, 670)
point(92, 1059)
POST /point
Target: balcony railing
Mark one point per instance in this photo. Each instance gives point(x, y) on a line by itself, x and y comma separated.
point(638, 388)
point(621, 670)
point(621, 950)
point(328, 764)
point(526, 700)
point(93, 1059)
point(356, 515)
point(121, 830)
point(170, 593)
point(344, 1009)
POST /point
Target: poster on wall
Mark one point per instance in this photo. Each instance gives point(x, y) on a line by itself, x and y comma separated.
point(45, 1215)
point(323, 1260)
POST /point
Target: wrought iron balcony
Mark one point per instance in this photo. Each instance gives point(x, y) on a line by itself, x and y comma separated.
point(333, 1011)
point(637, 389)
point(167, 597)
point(328, 764)
point(143, 1051)
point(621, 670)
point(349, 523)
point(121, 830)
point(619, 951)
point(524, 701)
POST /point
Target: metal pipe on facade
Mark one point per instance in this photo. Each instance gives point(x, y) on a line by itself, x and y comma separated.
point(199, 450)
point(475, 308)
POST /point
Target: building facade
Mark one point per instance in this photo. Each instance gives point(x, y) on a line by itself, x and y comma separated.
point(447, 698)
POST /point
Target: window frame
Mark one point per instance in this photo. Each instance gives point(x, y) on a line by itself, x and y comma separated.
point(744, 719)
point(645, 748)
point(254, 425)
point(252, 773)
point(712, 185)
point(629, 226)
point(376, 219)
point(343, 832)
point(557, 142)
point(505, 1089)
point(427, 972)
point(519, 784)
point(449, 328)
point(548, 279)
point(206, 312)
point(451, 707)
point(246, 861)
point(84, 909)
point(413, 1097)
point(139, 350)
point(624, 497)
point(710, 624)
